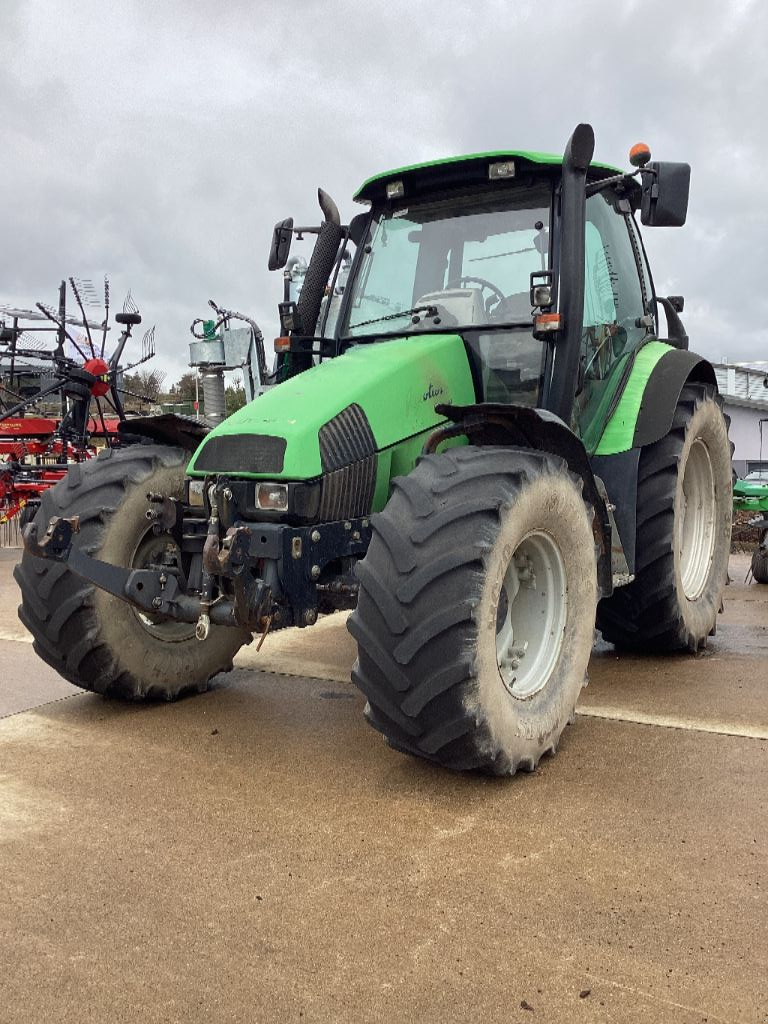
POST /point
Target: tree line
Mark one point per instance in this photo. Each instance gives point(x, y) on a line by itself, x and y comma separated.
point(146, 388)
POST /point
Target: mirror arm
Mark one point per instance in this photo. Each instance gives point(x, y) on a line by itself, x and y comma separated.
point(616, 179)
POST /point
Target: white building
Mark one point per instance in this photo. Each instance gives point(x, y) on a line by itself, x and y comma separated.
point(745, 394)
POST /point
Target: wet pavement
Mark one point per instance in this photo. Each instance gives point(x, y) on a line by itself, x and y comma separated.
point(258, 854)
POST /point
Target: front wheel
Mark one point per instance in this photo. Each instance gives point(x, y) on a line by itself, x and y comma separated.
point(476, 611)
point(90, 637)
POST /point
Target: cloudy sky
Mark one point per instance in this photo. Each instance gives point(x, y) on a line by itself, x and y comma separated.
point(160, 141)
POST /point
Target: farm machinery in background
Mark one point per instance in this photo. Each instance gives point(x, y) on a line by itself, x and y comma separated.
point(220, 347)
point(751, 495)
point(58, 405)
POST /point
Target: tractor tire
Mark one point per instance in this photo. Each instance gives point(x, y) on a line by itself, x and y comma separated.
point(759, 564)
point(90, 637)
point(476, 612)
point(683, 541)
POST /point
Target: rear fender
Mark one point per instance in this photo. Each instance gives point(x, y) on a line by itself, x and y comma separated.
point(646, 408)
point(643, 416)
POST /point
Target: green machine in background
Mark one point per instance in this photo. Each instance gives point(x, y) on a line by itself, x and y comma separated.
point(489, 439)
point(752, 496)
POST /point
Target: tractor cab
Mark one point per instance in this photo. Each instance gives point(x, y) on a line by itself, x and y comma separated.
point(488, 247)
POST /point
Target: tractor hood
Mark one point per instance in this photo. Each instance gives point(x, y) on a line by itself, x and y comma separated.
point(378, 394)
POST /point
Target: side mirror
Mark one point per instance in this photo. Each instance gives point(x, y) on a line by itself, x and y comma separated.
point(664, 201)
point(357, 228)
point(281, 244)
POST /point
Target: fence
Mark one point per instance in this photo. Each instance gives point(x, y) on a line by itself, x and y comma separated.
point(10, 534)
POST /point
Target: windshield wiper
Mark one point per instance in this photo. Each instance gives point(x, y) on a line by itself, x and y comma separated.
point(429, 310)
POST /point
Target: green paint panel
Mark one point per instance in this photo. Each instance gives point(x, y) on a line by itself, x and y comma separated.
point(396, 383)
point(545, 159)
point(620, 430)
point(750, 497)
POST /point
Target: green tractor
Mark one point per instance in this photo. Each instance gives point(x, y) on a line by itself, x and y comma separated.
point(484, 445)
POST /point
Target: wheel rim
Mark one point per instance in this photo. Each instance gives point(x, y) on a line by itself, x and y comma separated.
point(153, 551)
point(697, 521)
point(531, 615)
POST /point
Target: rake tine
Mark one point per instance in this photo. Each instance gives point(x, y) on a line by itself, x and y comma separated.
point(148, 344)
point(79, 301)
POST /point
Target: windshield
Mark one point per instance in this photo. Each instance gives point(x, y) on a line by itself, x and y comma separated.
point(462, 262)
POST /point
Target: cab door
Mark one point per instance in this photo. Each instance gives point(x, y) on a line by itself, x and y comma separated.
point(617, 312)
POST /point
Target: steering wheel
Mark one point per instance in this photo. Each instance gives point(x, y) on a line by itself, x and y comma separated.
point(497, 293)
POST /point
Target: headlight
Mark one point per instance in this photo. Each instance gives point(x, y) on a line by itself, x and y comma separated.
point(272, 496)
point(195, 498)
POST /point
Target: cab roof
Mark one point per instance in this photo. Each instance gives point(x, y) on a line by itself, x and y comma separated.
point(422, 179)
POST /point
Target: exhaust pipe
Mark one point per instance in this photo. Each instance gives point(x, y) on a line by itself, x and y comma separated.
point(320, 266)
point(576, 160)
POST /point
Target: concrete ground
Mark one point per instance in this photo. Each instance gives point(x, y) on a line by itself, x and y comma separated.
point(257, 853)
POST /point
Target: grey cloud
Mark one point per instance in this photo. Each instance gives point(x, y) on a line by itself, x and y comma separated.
point(161, 143)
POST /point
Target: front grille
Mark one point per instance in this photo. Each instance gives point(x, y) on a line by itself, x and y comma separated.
point(345, 439)
point(349, 491)
point(348, 458)
point(242, 453)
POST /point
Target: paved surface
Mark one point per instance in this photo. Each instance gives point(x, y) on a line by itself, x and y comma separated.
point(257, 854)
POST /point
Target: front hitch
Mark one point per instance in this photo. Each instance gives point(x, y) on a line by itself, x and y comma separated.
point(57, 539)
point(153, 591)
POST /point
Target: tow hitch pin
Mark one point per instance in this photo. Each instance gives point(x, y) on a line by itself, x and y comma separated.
point(203, 627)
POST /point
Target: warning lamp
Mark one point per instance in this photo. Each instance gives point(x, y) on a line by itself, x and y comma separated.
point(546, 324)
point(282, 344)
point(100, 370)
point(639, 155)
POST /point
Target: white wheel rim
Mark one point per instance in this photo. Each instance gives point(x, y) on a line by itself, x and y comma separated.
point(531, 615)
point(167, 630)
point(696, 544)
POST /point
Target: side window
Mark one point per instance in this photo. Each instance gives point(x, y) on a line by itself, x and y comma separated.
point(613, 306)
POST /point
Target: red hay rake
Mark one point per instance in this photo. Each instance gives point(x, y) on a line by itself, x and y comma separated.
point(85, 388)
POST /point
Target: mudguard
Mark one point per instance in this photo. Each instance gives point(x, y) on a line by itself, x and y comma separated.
point(647, 404)
point(644, 415)
point(179, 431)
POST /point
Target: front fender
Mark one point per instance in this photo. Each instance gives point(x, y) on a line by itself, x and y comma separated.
point(543, 431)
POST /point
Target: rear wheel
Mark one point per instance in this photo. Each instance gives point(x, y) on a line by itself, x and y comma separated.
point(684, 510)
point(476, 611)
point(759, 563)
point(91, 638)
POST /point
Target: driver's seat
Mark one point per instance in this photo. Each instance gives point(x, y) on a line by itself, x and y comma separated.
point(516, 307)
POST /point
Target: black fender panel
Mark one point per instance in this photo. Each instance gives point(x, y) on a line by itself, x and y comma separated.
point(662, 391)
point(180, 431)
point(619, 474)
point(538, 430)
